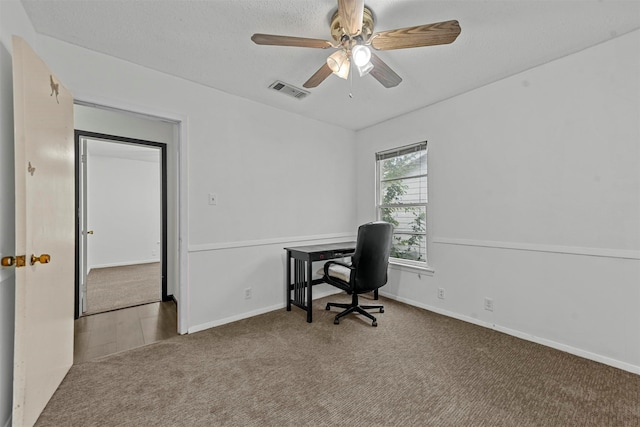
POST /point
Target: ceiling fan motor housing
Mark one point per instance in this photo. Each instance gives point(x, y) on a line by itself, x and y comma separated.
point(338, 32)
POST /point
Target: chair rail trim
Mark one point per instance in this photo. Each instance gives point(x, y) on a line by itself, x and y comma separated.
point(569, 250)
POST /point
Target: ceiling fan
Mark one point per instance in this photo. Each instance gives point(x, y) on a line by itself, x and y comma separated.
point(352, 30)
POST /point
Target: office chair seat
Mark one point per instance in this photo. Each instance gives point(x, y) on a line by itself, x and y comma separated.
point(340, 271)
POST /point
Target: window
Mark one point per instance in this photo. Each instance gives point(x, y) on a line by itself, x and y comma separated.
point(402, 200)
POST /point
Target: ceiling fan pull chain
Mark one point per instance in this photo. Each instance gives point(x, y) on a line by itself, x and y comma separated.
point(351, 85)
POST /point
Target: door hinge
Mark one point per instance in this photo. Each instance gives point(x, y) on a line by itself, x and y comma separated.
point(18, 261)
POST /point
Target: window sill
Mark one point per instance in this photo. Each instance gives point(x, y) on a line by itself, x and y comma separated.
point(397, 265)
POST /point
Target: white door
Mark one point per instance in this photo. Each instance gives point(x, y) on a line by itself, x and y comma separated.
point(44, 179)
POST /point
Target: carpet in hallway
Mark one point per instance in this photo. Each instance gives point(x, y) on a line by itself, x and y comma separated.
point(111, 288)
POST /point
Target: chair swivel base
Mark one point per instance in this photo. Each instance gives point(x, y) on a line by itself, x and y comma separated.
point(355, 308)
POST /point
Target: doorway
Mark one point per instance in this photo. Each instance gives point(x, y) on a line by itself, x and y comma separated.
point(121, 223)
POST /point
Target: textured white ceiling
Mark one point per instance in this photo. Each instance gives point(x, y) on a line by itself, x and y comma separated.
point(209, 42)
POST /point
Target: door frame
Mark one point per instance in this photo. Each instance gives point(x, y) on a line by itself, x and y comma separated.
point(178, 176)
point(78, 134)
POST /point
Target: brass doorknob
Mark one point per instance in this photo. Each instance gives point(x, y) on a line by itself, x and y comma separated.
point(90, 232)
point(42, 259)
point(18, 261)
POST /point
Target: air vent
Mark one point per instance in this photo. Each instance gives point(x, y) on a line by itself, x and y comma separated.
point(287, 89)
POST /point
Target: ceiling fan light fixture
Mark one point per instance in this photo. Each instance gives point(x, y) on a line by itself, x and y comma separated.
point(343, 73)
point(361, 55)
point(339, 63)
point(365, 69)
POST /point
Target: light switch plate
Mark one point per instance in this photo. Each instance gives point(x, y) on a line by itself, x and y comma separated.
point(213, 199)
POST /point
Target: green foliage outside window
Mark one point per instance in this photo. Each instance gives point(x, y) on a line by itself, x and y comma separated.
point(409, 222)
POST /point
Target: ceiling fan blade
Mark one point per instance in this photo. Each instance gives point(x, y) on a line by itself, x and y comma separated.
point(318, 77)
point(383, 73)
point(421, 35)
point(351, 14)
point(273, 40)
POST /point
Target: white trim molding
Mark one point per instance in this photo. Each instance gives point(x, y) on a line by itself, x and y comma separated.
point(569, 250)
point(399, 265)
point(266, 242)
point(220, 322)
point(125, 263)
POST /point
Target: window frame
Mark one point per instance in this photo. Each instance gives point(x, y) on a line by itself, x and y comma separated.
point(392, 153)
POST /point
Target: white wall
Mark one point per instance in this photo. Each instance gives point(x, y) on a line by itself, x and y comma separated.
point(534, 191)
point(124, 208)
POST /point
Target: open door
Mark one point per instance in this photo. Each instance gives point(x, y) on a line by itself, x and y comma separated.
point(44, 169)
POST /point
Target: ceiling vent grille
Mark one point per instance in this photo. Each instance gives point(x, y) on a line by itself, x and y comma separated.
point(287, 89)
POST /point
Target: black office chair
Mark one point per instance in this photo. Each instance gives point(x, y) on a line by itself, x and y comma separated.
point(367, 271)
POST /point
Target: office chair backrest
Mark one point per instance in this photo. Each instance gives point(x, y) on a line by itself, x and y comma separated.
point(371, 256)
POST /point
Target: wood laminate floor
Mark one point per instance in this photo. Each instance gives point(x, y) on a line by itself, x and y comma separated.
point(114, 331)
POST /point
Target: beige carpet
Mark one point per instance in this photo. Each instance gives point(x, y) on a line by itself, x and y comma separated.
point(416, 368)
point(112, 288)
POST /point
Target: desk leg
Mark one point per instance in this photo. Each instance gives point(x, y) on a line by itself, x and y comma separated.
point(309, 287)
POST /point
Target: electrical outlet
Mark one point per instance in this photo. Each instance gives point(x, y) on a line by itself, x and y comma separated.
point(213, 199)
point(441, 293)
point(247, 293)
point(488, 304)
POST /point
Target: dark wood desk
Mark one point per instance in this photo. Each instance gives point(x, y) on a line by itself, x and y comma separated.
point(303, 257)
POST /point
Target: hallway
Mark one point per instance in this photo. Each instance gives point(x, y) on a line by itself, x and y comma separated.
point(114, 331)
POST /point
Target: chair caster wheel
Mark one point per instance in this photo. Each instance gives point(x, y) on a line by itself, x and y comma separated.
point(382, 310)
point(327, 307)
point(374, 323)
point(336, 322)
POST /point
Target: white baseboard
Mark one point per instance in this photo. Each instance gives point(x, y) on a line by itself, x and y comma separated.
point(220, 322)
point(518, 334)
point(124, 264)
